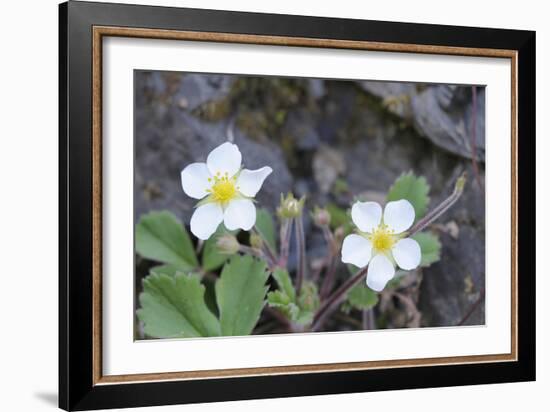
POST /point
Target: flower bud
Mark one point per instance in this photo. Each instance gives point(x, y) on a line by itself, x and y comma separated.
point(290, 207)
point(321, 217)
point(339, 234)
point(460, 182)
point(256, 241)
point(228, 244)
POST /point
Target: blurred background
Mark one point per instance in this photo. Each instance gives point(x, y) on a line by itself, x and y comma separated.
point(332, 141)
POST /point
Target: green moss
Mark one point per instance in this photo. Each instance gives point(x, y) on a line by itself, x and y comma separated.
point(214, 111)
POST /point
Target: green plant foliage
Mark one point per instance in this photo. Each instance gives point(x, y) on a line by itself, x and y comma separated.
point(284, 282)
point(172, 306)
point(266, 226)
point(413, 188)
point(430, 247)
point(309, 297)
point(240, 294)
point(211, 257)
point(298, 310)
point(282, 302)
point(339, 217)
point(161, 237)
point(169, 270)
point(362, 297)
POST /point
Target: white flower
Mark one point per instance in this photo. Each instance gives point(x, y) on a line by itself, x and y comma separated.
point(381, 242)
point(225, 190)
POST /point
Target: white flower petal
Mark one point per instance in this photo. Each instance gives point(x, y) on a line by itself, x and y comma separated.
point(366, 215)
point(399, 215)
point(381, 271)
point(194, 180)
point(226, 158)
point(356, 250)
point(240, 214)
point(250, 182)
point(206, 219)
point(407, 254)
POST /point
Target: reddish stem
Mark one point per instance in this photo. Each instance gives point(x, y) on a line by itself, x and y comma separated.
point(328, 306)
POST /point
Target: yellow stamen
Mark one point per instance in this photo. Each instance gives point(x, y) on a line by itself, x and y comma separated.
point(382, 239)
point(223, 189)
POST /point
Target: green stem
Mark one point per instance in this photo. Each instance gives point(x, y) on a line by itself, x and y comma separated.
point(328, 280)
point(267, 250)
point(301, 253)
point(286, 230)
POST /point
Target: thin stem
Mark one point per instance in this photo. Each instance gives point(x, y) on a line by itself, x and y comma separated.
point(441, 208)
point(208, 275)
point(472, 308)
point(328, 281)
point(365, 319)
point(336, 298)
point(200, 244)
point(301, 253)
point(266, 247)
point(348, 319)
point(316, 272)
point(409, 303)
point(371, 323)
point(286, 230)
point(252, 252)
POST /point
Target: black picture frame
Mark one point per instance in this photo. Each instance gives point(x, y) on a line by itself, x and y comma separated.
point(77, 390)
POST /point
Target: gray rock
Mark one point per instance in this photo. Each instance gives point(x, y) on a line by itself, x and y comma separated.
point(197, 89)
point(451, 287)
point(441, 113)
point(167, 141)
point(316, 88)
point(300, 124)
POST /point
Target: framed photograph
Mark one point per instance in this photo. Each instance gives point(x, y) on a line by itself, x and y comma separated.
point(257, 205)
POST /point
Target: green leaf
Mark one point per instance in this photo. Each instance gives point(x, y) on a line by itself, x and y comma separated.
point(339, 217)
point(265, 225)
point(172, 306)
point(361, 297)
point(430, 247)
point(161, 237)
point(308, 302)
point(211, 257)
point(309, 297)
point(412, 188)
point(284, 282)
point(299, 310)
point(281, 301)
point(169, 270)
point(240, 293)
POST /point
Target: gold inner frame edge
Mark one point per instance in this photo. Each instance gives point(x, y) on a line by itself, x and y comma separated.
point(101, 31)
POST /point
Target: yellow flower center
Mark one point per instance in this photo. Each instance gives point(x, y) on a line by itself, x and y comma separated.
point(223, 188)
point(382, 239)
